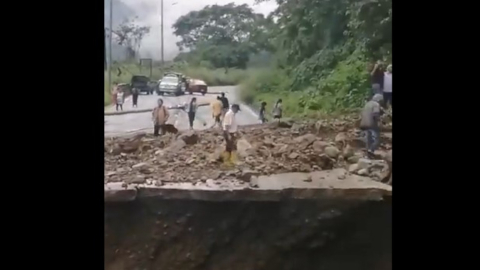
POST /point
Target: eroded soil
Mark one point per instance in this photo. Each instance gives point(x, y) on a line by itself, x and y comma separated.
point(192, 235)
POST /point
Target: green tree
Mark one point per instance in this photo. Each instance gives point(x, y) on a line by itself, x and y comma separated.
point(224, 35)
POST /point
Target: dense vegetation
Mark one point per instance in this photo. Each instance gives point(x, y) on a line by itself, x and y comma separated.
point(317, 52)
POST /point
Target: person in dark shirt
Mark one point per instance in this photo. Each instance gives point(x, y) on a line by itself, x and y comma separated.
point(377, 78)
point(226, 105)
point(262, 112)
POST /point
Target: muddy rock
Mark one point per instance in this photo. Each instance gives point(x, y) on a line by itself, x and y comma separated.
point(177, 146)
point(353, 168)
point(262, 150)
point(189, 137)
point(353, 159)
point(364, 163)
point(348, 152)
point(244, 148)
point(332, 151)
point(285, 123)
point(246, 175)
point(363, 172)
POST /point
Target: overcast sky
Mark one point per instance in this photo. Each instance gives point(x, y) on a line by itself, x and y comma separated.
point(148, 12)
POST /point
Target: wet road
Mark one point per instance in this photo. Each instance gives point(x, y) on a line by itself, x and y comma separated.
point(130, 123)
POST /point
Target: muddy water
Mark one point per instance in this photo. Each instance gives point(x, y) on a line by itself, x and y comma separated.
point(193, 235)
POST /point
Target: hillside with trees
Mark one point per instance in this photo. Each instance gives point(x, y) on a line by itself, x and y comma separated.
point(316, 53)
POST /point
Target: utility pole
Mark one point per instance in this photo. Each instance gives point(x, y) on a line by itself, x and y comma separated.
point(109, 64)
point(161, 11)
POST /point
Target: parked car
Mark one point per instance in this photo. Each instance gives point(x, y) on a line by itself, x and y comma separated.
point(197, 86)
point(142, 83)
point(171, 85)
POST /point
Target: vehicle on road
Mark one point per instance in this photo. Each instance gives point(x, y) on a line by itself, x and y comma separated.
point(171, 85)
point(142, 83)
point(197, 86)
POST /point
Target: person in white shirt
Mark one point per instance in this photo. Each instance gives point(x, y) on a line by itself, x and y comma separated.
point(387, 87)
point(229, 133)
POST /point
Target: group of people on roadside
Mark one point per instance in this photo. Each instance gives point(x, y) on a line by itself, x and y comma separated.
point(276, 111)
point(118, 96)
point(374, 108)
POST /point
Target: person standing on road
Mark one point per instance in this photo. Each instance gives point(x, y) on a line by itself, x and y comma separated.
point(225, 104)
point(377, 78)
point(114, 93)
point(370, 123)
point(120, 99)
point(263, 108)
point(160, 116)
point(191, 109)
point(277, 110)
point(229, 133)
point(135, 93)
point(217, 111)
point(387, 87)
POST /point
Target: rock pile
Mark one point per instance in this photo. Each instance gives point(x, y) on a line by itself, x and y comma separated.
point(264, 149)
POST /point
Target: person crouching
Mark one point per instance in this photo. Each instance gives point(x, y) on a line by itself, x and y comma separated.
point(229, 133)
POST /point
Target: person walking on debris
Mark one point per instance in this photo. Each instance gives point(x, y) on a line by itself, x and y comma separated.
point(277, 110)
point(191, 109)
point(387, 87)
point(261, 115)
point(226, 105)
point(229, 132)
point(120, 99)
point(369, 123)
point(160, 116)
point(135, 93)
point(217, 110)
point(377, 78)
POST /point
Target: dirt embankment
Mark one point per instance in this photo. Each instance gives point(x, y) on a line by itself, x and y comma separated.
point(151, 234)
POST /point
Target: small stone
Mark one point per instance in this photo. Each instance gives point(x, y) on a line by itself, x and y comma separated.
point(246, 175)
point(364, 163)
point(353, 159)
point(158, 183)
point(319, 146)
point(111, 173)
point(363, 172)
point(293, 155)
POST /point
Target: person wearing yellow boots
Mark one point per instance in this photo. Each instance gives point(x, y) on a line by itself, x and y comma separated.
point(229, 133)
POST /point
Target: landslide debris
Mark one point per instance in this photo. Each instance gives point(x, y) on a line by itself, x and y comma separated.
point(195, 156)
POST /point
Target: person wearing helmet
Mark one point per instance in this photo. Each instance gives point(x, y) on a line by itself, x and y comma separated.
point(370, 118)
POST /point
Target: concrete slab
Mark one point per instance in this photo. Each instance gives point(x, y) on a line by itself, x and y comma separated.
point(333, 184)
